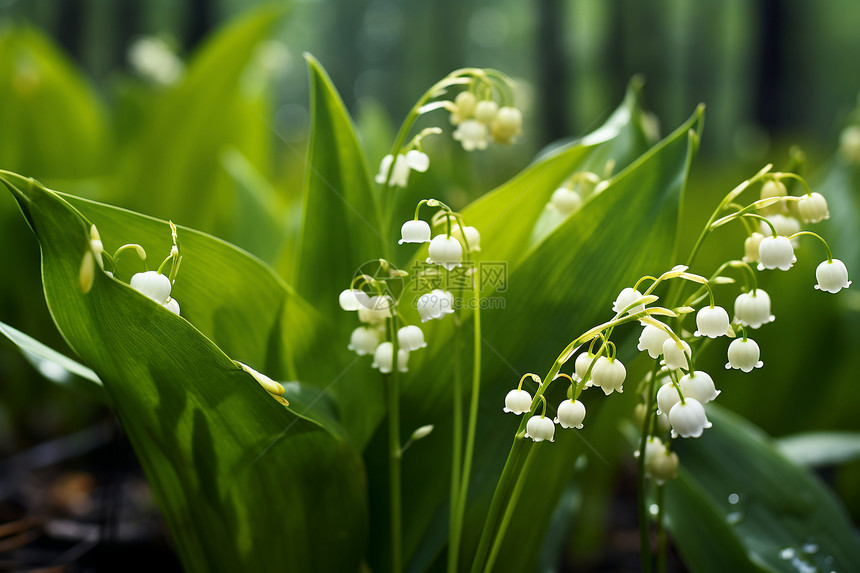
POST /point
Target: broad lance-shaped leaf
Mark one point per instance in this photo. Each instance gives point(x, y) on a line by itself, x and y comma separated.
point(783, 516)
point(340, 227)
point(245, 484)
point(553, 293)
point(55, 366)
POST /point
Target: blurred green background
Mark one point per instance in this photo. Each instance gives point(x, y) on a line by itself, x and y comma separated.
point(198, 128)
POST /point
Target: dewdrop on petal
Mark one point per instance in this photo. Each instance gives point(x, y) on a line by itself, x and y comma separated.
point(688, 419)
point(417, 231)
point(813, 208)
point(674, 356)
point(652, 339)
point(743, 355)
point(753, 308)
point(608, 374)
point(570, 414)
point(776, 253)
point(540, 428)
point(832, 276)
point(517, 402)
point(411, 338)
point(383, 358)
point(712, 322)
point(153, 285)
point(698, 385)
point(363, 340)
point(445, 251)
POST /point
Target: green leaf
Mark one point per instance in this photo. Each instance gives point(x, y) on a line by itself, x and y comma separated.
point(555, 293)
point(816, 449)
point(783, 515)
point(340, 228)
point(245, 484)
point(41, 92)
point(173, 171)
point(56, 367)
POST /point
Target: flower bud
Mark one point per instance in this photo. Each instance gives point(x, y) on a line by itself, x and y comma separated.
point(773, 188)
point(464, 107)
point(565, 201)
point(507, 125)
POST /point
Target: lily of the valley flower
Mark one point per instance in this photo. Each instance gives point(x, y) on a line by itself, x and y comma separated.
point(353, 299)
point(417, 231)
point(813, 208)
point(608, 374)
point(832, 276)
point(699, 385)
point(744, 355)
point(383, 358)
point(675, 356)
point(472, 134)
point(565, 201)
point(472, 237)
point(652, 339)
point(517, 401)
point(570, 414)
point(688, 419)
point(776, 253)
point(463, 107)
point(712, 322)
point(751, 245)
point(399, 177)
point(486, 111)
point(667, 397)
point(154, 285)
point(540, 428)
point(660, 463)
point(753, 308)
point(410, 338)
point(625, 298)
point(507, 125)
point(363, 340)
point(435, 304)
point(445, 251)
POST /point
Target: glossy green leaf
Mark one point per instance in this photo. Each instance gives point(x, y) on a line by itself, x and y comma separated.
point(555, 295)
point(239, 477)
point(173, 171)
point(816, 449)
point(786, 519)
point(56, 367)
point(42, 93)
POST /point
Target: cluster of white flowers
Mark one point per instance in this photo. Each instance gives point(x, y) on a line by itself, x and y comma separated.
point(479, 121)
point(445, 251)
point(684, 391)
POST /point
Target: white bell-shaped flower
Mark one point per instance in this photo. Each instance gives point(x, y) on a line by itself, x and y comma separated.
point(417, 160)
point(849, 144)
point(581, 364)
point(752, 308)
point(472, 134)
point(675, 356)
point(517, 402)
point(383, 358)
point(625, 298)
point(472, 237)
point(464, 107)
point(688, 419)
point(417, 231)
point(813, 208)
point(152, 284)
point(353, 299)
point(608, 374)
point(486, 110)
point(507, 125)
point(783, 224)
point(565, 201)
point(435, 304)
point(832, 276)
point(445, 251)
point(652, 339)
point(570, 414)
point(376, 310)
point(744, 355)
point(751, 245)
point(661, 464)
point(411, 338)
point(699, 385)
point(540, 428)
point(363, 340)
point(172, 306)
point(773, 188)
point(712, 322)
point(667, 396)
point(775, 253)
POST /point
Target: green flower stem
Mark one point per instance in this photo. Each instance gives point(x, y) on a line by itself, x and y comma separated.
point(456, 530)
point(817, 236)
point(395, 454)
point(509, 511)
point(644, 529)
point(454, 524)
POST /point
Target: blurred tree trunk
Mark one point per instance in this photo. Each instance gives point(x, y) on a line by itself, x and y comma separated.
point(770, 101)
point(553, 70)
